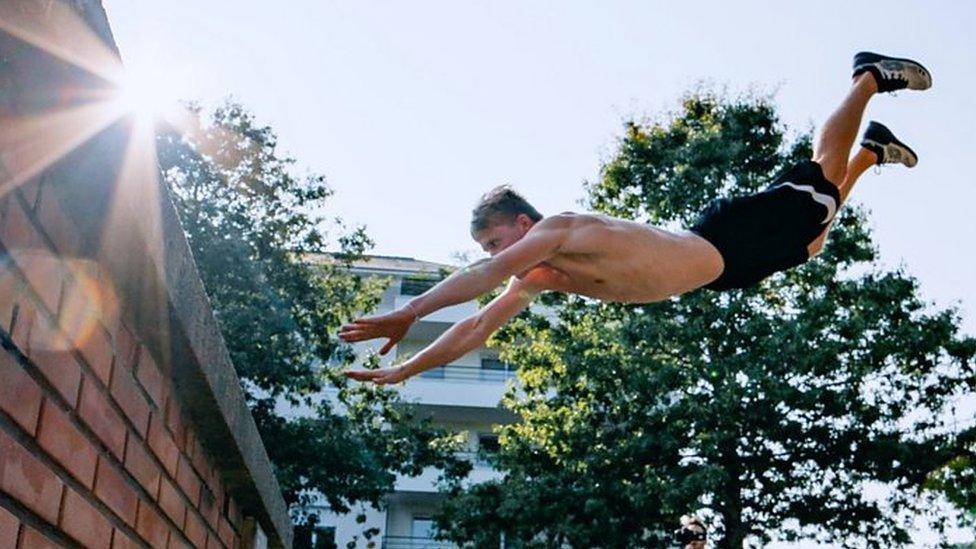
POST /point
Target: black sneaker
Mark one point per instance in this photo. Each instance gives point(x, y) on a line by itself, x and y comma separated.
point(893, 73)
point(879, 140)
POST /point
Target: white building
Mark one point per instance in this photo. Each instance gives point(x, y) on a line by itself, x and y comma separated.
point(463, 396)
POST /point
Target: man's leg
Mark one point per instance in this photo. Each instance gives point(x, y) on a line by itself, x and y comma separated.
point(859, 163)
point(833, 146)
point(872, 73)
point(878, 146)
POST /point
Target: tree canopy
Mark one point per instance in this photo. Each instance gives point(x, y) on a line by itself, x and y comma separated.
point(253, 225)
point(812, 406)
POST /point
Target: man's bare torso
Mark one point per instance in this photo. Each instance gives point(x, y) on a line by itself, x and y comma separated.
point(619, 260)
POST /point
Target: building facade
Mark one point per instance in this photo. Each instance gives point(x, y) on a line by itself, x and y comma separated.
point(463, 397)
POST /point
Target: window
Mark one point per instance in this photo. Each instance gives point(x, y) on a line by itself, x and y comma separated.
point(416, 285)
point(423, 528)
point(323, 537)
point(496, 364)
point(488, 443)
point(433, 373)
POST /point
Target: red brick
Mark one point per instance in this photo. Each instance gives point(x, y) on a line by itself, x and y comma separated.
point(127, 393)
point(44, 272)
point(57, 225)
point(96, 349)
point(213, 542)
point(10, 290)
point(28, 481)
point(162, 445)
point(50, 352)
point(227, 535)
point(189, 481)
point(171, 503)
point(10, 527)
point(151, 378)
point(121, 541)
point(195, 530)
point(176, 541)
point(115, 492)
point(141, 465)
point(234, 513)
point(126, 348)
point(200, 462)
point(209, 508)
point(81, 302)
point(98, 413)
point(151, 526)
point(32, 539)
point(82, 522)
point(174, 420)
point(20, 396)
point(18, 231)
point(67, 445)
point(25, 311)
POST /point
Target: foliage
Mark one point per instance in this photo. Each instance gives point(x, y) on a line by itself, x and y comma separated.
point(812, 406)
point(258, 245)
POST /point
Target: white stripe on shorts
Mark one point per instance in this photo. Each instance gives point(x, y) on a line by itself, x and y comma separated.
point(822, 198)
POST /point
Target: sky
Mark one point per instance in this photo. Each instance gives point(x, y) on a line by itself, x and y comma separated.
point(412, 110)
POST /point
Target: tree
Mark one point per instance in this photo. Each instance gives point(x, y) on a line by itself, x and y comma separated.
point(252, 227)
point(811, 406)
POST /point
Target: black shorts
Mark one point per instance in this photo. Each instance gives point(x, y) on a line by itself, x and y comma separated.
point(769, 231)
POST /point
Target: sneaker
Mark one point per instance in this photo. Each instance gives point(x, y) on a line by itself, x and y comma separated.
point(879, 140)
point(893, 73)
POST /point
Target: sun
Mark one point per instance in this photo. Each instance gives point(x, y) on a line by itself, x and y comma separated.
point(148, 95)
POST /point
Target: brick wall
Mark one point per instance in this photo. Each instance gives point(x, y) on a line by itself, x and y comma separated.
point(122, 419)
point(94, 449)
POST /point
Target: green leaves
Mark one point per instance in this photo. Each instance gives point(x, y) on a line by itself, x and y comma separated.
point(770, 411)
point(257, 235)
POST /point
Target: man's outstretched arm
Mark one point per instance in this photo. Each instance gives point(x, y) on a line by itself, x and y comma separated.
point(461, 338)
point(539, 244)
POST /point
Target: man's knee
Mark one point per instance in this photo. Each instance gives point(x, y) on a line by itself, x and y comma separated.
point(833, 170)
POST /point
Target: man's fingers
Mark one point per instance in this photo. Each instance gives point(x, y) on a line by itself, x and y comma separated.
point(364, 375)
point(379, 377)
point(386, 348)
point(353, 335)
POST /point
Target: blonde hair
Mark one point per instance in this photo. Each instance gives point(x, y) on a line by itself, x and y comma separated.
point(500, 205)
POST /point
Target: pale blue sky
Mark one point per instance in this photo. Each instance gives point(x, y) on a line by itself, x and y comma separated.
point(413, 109)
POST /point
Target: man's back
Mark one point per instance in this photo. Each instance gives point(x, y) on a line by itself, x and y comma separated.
point(620, 260)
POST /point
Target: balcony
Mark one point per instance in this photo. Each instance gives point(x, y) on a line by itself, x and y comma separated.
point(426, 481)
point(455, 385)
point(402, 542)
point(455, 372)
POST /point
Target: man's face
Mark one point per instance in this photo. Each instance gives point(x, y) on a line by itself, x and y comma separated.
point(501, 235)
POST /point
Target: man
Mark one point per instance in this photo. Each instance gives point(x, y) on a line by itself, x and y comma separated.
point(692, 534)
point(736, 243)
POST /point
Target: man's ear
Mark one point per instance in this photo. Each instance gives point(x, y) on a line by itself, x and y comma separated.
point(524, 221)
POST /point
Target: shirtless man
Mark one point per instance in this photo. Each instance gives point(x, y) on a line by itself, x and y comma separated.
point(735, 243)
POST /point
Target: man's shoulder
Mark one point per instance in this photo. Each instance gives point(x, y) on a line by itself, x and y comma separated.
point(566, 219)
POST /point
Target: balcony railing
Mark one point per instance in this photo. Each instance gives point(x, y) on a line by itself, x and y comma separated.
point(476, 458)
point(467, 373)
point(402, 542)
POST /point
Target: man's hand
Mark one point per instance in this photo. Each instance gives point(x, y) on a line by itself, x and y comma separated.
point(391, 325)
point(379, 377)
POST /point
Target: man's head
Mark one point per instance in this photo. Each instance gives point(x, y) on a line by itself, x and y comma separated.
point(501, 218)
point(692, 534)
